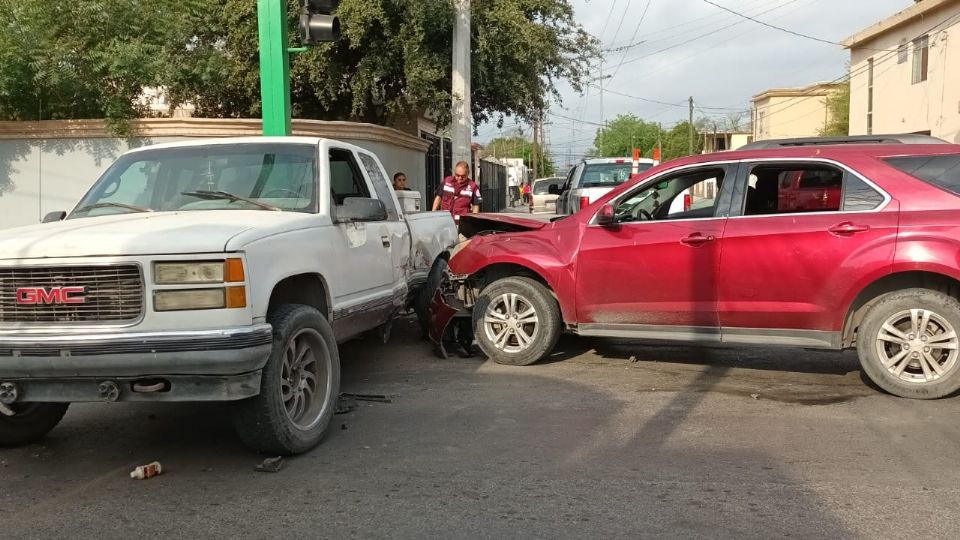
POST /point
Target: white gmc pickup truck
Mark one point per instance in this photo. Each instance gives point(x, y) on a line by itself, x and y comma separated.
point(215, 270)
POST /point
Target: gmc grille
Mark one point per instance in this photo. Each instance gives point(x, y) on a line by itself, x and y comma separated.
point(111, 294)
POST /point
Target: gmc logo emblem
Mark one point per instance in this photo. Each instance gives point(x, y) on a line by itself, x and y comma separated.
point(33, 296)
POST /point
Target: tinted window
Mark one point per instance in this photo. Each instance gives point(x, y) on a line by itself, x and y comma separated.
point(798, 188)
point(941, 171)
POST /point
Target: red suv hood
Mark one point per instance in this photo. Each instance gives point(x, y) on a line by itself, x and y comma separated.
point(474, 224)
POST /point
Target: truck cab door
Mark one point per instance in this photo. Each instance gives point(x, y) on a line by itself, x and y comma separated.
point(395, 226)
point(367, 268)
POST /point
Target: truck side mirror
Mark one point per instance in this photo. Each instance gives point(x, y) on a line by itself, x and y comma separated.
point(361, 209)
point(553, 189)
point(59, 215)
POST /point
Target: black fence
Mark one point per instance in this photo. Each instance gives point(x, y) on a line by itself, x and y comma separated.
point(493, 186)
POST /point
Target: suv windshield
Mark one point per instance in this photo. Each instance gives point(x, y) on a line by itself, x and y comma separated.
point(608, 174)
point(216, 177)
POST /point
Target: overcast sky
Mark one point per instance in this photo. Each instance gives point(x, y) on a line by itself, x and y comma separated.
point(692, 48)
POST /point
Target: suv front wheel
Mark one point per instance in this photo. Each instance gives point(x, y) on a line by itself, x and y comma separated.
point(908, 344)
point(516, 321)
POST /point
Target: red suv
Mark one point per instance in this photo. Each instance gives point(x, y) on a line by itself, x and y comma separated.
point(870, 258)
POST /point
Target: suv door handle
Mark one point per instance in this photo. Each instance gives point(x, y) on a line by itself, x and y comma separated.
point(696, 239)
point(847, 228)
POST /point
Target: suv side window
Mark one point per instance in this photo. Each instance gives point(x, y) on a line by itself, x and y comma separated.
point(346, 179)
point(380, 185)
point(806, 187)
point(688, 195)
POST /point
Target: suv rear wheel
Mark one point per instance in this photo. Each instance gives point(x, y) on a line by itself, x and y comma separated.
point(516, 321)
point(908, 344)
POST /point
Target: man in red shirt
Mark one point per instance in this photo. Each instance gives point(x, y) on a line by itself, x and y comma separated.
point(458, 194)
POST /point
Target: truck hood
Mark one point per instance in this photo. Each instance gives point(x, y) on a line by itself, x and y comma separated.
point(474, 224)
point(154, 233)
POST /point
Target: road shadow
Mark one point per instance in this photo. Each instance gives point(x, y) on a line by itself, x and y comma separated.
point(464, 449)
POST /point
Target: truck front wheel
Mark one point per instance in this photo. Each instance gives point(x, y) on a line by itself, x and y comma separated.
point(29, 422)
point(299, 386)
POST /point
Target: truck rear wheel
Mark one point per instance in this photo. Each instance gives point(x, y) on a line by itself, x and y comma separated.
point(908, 344)
point(516, 321)
point(299, 386)
point(30, 422)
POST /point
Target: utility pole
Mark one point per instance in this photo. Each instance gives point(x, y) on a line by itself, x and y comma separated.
point(690, 125)
point(535, 149)
point(460, 85)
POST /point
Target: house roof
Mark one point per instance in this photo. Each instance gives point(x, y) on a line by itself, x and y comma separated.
point(920, 8)
point(814, 90)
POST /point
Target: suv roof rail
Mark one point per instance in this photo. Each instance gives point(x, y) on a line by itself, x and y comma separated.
point(906, 138)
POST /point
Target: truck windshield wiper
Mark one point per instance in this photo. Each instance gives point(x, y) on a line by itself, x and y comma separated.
point(113, 205)
point(205, 194)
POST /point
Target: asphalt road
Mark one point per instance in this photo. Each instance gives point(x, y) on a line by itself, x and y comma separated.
point(607, 439)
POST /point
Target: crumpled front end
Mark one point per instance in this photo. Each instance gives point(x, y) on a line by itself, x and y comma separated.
point(451, 312)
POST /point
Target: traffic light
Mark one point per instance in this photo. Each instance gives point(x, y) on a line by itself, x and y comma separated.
point(318, 24)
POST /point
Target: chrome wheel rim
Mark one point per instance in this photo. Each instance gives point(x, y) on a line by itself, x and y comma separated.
point(917, 346)
point(305, 378)
point(511, 323)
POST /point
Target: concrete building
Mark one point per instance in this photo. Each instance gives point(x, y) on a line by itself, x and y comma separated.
point(719, 141)
point(782, 113)
point(905, 72)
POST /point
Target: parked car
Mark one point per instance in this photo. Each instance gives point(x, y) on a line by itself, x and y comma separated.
point(213, 270)
point(543, 200)
point(594, 178)
point(875, 267)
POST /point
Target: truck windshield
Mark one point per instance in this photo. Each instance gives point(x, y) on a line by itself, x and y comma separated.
point(608, 174)
point(216, 177)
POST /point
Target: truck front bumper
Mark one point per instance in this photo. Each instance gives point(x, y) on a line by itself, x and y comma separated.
point(212, 365)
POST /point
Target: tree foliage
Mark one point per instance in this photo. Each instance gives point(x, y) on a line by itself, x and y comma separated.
point(626, 132)
point(92, 58)
point(838, 113)
point(517, 146)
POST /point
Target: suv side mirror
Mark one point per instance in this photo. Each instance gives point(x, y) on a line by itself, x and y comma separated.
point(361, 209)
point(59, 215)
point(607, 216)
point(553, 189)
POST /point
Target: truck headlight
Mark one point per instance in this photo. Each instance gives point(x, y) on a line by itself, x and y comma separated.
point(179, 300)
point(198, 273)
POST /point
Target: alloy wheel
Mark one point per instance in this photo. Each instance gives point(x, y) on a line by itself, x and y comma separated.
point(511, 323)
point(305, 378)
point(917, 346)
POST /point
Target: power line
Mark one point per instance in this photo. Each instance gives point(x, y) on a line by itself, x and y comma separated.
point(775, 27)
point(635, 31)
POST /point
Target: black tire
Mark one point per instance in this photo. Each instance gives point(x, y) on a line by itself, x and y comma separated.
point(421, 305)
point(542, 339)
point(30, 423)
point(263, 422)
point(942, 311)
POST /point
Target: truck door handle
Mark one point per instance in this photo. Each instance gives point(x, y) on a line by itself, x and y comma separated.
point(385, 240)
point(696, 239)
point(846, 228)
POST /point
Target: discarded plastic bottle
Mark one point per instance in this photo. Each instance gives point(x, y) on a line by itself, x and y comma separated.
point(146, 471)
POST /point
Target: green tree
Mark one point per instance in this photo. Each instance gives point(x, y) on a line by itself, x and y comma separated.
point(517, 146)
point(627, 131)
point(92, 58)
point(838, 112)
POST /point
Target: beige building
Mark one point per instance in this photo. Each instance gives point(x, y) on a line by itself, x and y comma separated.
point(905, 73)
point(783, 113)
point(719, 141)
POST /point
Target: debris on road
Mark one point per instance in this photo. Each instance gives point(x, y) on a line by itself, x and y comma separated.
point(346, 405)
point(633, 360)
point(149, 470)
point(270, 465)
point(379, 398)
point(755, 396)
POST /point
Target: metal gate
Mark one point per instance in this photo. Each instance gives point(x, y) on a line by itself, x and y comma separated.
point(493, 186)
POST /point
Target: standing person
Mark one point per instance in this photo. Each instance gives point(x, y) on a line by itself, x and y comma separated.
point(400, 182)
point(526, 193)
point(458, 194)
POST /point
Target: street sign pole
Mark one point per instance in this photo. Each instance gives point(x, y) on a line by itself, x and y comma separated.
point(274, 67)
